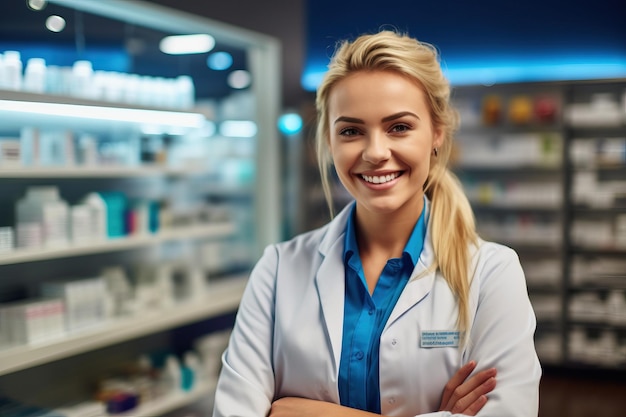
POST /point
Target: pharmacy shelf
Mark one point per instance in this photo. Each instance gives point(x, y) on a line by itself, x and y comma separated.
point(100, 172)
point(517, 170)
point(579, 210)
point(509, 129)
point(19, 108)
point(508, 208)
point(580, 250)
point(195, 231)
point(595, 132)
point(222, 297)
point(172, 401)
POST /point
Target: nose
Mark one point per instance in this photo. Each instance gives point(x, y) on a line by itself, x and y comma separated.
point(376, 148)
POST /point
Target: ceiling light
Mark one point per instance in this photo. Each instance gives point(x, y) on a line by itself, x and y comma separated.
point(187, 44)
point(55, 23)
point(37, 4)
point(239, 79)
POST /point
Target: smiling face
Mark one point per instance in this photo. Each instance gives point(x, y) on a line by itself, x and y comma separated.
point(381, 140)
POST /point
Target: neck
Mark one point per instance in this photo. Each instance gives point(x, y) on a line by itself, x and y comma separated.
point(384, 233)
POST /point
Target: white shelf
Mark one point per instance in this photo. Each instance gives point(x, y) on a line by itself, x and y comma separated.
point(220, 298)
point(99, 172)
point(171, 402)
point(196, 231)
point(20, 109)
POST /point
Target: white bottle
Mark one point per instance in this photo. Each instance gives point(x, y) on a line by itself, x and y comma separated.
point(12, 70)
point(186, 92)
point(98, 221)
point(42, 205)
point(171, 376)
point(35, 75)
point(82, 78)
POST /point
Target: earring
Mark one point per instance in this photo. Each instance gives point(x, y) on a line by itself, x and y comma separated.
point(436, 152)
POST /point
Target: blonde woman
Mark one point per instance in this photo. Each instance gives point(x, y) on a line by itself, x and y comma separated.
point(396, 307)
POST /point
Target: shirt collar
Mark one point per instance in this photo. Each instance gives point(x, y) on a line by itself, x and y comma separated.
point(413, 247)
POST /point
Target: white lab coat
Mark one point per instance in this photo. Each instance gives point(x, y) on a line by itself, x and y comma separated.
point(287, 337)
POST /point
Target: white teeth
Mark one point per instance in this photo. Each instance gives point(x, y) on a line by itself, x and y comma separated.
point(380, 179)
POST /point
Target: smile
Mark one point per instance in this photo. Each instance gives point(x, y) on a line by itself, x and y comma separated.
point(381, 179)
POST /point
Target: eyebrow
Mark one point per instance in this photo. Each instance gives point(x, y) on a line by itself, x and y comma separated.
point(384, 119)
point(399, 115)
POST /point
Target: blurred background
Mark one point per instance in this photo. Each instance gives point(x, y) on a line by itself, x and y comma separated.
point(149, 150)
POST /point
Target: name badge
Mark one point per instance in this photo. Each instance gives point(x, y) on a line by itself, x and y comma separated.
point(439, 338)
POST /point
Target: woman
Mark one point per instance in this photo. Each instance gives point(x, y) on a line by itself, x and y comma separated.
point(396, 307)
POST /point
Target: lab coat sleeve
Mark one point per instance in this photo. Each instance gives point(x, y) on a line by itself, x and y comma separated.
point(246, 383)
point(501, 336)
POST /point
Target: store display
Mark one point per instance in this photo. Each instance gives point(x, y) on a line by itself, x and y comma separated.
point(551, 185)
point(107, 204)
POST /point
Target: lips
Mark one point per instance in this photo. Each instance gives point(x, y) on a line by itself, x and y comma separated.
point(381, 179)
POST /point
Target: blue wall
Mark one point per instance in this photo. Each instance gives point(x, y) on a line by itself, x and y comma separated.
point(484, 41)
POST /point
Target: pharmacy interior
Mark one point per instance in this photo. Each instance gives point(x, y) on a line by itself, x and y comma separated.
point(138, 187)
point(140, 182)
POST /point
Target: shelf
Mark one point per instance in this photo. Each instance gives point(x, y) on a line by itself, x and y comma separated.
point(506, 129)
point(542, 288)
point(595, 132)
point(196, 231)
point(171, 402)
point(597, 325)
point(599, 251)
point(526, 245)
point(99, 172)
point(605, 169)
point(22, 109)
point(512, 169)
point(221, 298)
point(516, 208)
point(599, 210)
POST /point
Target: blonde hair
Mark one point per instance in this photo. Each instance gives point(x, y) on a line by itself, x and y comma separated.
point(451, 218)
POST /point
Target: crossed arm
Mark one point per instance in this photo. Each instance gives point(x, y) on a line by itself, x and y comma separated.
point(460, 396)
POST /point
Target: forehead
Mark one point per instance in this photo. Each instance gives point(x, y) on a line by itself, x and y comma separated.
point(370, 90)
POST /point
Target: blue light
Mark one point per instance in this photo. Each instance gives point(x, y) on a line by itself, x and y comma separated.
point(488, 73)
point(312, 78)
point(492, 71)
point(290, 123)
point(220, 61)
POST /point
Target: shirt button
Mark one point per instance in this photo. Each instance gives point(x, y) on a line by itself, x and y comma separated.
point(359, 355)
point(391, 400)
point(394, 342)
point(371, 311)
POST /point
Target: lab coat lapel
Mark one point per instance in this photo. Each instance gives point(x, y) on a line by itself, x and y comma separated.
point(330, 281)
point(415, 291)
point(420, 283)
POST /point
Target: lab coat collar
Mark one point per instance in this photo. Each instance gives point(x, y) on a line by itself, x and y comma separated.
point(331, 283)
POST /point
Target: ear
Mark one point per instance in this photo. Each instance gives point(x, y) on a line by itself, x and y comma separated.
point(438, 137)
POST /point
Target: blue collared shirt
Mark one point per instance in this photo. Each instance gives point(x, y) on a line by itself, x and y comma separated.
point(365, 315)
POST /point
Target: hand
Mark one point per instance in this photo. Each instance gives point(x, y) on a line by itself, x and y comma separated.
point(468, 396)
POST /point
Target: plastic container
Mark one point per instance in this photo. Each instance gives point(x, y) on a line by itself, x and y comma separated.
point(35, 75)
point(12, 74)
point(98, 229)
point(116, 206)
point(82, 80)
point(43, 205)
